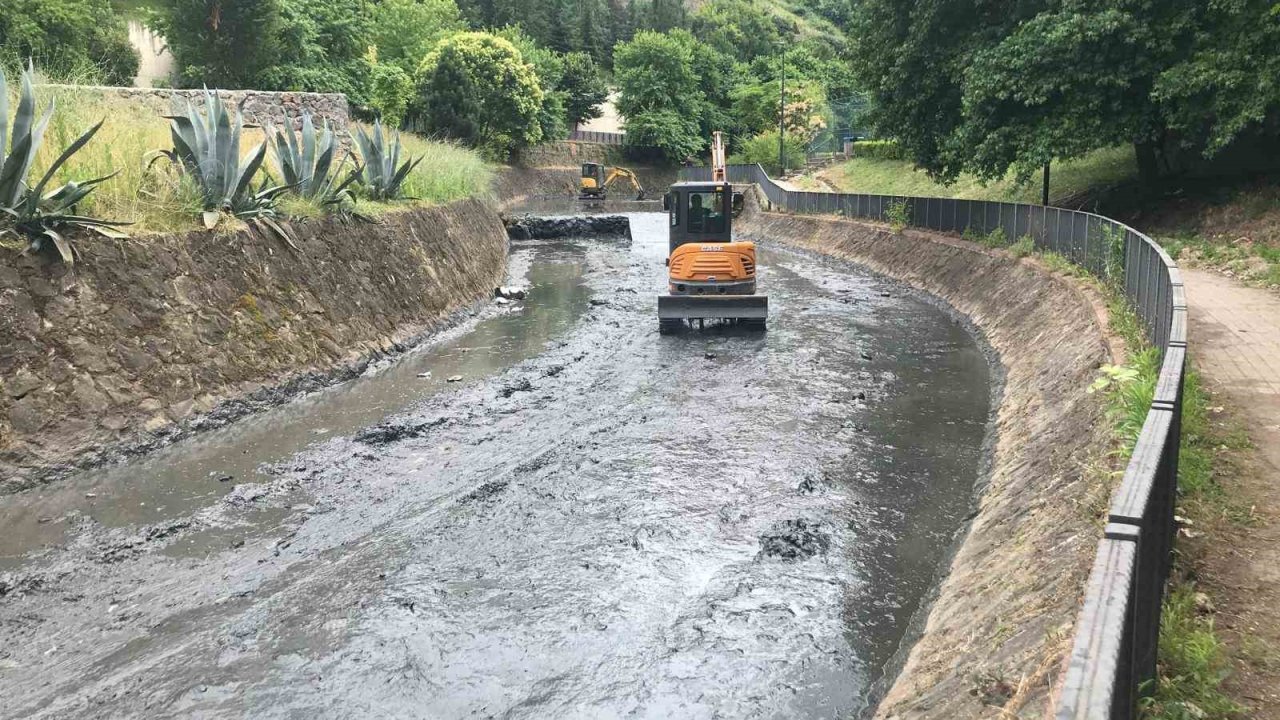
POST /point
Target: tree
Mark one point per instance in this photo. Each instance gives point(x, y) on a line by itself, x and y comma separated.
point(322, 46)
point(404, 31)
point(219, 43)
point(970, 86)
point(390, 91)
point(659, 93)
point(584, 88)
point(476, 87)
point(744, 29)
point(81, 39)
point(666, 15)
point(548, 66)
point(1225, 87)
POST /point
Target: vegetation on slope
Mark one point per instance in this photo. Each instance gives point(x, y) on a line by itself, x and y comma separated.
point(157, 198)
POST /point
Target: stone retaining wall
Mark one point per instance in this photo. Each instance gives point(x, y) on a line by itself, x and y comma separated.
point(259, 106)
point(143, 340)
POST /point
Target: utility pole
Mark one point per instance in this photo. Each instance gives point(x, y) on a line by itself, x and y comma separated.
point(1044, 196)
point(782, 118)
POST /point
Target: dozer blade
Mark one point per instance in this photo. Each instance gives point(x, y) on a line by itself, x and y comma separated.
point(734, 307)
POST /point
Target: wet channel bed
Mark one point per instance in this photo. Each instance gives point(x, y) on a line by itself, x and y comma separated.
point(594, 521)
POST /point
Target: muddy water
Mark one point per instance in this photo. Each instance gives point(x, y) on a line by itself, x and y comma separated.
point(596, 521)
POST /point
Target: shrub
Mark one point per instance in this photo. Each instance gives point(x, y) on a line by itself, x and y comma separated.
point(84, 39)
point(390, 90)
point(41, 218)
point(898, 214)
point(476, 87)
point(994, 239)
point(763, 149)
point(879, 150)
point(1024, 247)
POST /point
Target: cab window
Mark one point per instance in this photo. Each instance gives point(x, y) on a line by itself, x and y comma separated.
point(673, 208)
point(706, 212)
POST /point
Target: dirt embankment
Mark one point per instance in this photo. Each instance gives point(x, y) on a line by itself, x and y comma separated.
point(994, 640)
point(554, 174)
point(145, 340)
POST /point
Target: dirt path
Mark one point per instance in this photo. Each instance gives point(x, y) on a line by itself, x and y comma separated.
point(1236, 333)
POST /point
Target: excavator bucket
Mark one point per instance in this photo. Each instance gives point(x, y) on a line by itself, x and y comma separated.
point(728, 307)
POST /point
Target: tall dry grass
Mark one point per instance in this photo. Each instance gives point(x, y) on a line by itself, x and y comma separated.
point(153, 195)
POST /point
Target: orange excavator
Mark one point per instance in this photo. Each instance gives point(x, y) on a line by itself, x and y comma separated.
point(710, 276)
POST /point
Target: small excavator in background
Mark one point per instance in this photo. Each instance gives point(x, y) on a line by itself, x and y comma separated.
point(596, 181)
point(709, 275)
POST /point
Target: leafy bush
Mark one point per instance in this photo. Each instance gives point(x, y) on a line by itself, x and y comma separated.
point(879, 150)
point(321, 46)
point(306, 162)
point(383, 175)
point(84, 39)
point(207, 145)
point(476, 87)
point(994, 239)
point(898, 214)
point(390, 91)
point(220, 44)
point(405, 31)
point(41, 218)
point(1024, 247)
point(763, 149)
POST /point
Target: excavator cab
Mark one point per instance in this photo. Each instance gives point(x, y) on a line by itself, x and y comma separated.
point(710, 275)
point(592, 183)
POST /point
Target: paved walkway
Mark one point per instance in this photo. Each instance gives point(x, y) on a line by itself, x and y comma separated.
point(1235, 343)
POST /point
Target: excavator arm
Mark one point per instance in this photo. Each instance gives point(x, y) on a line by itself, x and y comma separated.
point(618, 173)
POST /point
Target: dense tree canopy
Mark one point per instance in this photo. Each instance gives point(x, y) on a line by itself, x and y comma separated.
point(476, 87)
point(405, 31)
point(219, 44)
point(321, 48)
point(982, 87)
point(660, 93)
point(80, 39)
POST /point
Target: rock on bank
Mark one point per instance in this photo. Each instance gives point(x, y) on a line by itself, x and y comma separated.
point(147, 338)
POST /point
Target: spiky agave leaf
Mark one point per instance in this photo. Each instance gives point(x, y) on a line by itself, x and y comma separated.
point(207, 147)
point(43, 218)
point(383, 174)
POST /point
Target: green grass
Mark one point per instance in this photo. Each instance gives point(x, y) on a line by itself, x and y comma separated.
point(1192, 658)
point(158, 199)
point(1097, 170)
point(1251, 263)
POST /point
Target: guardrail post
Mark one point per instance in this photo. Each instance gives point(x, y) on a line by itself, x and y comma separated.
point(1098, 683)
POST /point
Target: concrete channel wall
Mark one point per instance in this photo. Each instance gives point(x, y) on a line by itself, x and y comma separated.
point(143, 340)
point(995, 638)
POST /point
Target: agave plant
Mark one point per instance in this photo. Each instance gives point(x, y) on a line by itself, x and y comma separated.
point(208, 147)
point(305, 162)
point(383, 175)
point(41, 218)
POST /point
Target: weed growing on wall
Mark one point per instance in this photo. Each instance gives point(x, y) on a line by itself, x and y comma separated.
point(898, 214)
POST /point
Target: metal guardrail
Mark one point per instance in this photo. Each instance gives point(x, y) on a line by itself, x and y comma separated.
point(1113, 659)
point(594, 136)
